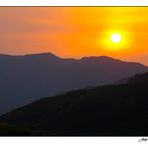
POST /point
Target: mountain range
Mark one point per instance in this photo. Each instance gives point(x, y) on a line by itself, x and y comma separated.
point(24, 79)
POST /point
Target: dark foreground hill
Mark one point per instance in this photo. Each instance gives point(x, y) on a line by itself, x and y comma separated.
point(24, 79)
point(119, 110)
point(12, 130)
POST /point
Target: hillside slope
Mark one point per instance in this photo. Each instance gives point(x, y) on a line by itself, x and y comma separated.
point(119, 110)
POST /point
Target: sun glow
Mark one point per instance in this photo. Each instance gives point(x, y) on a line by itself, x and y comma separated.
point(116, 37)
point(114, 40)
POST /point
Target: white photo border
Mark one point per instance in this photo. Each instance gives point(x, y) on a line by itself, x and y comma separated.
point(73, 2)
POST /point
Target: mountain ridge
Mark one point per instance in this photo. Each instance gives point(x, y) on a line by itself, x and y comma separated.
point(53, 56)
point(50, 54)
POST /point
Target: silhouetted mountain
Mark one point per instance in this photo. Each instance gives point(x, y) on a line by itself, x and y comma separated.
point(27, 78)
point(119, 110)
point(137, 78)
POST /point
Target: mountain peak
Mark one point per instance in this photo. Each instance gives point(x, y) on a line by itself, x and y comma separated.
point(106, 58)
point(43, 55)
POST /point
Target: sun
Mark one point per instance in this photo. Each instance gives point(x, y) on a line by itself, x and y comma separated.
point(115, 37)
point(114, 40)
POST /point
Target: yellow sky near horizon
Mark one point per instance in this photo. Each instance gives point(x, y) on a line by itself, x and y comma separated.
point(75, 31)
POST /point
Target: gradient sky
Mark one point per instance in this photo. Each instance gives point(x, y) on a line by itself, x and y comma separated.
point(75, 31)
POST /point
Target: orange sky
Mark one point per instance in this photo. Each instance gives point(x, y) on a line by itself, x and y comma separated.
point(75, 31)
